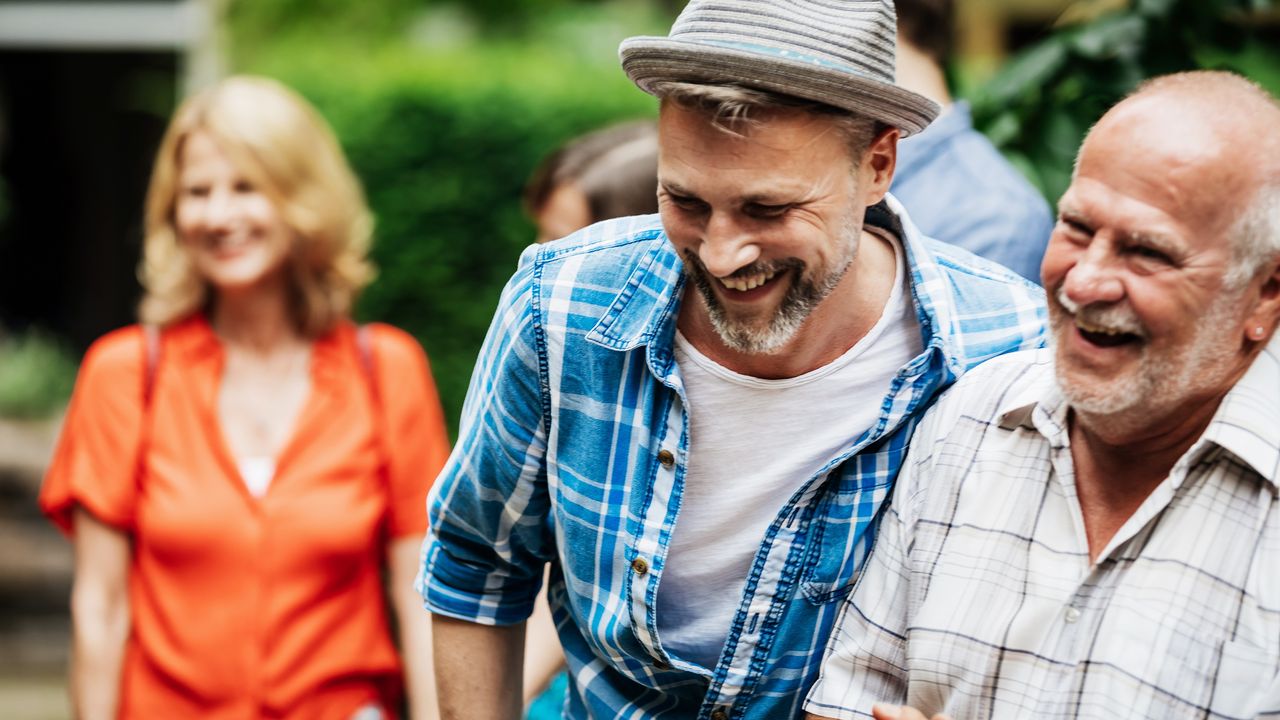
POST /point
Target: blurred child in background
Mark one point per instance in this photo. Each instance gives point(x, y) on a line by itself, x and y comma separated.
point(608, 173)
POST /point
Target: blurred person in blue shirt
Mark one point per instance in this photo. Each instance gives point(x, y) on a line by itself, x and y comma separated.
point(953, 181)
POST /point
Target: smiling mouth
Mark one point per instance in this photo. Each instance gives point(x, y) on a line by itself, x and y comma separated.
point(1106, 337)
point(745, 283)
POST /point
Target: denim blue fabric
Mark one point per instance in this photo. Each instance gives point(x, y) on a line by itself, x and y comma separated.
point(572, 448)
point(959, 189)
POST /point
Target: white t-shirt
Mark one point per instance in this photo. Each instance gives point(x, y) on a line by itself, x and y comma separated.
point(257, 473)
point(752, 444)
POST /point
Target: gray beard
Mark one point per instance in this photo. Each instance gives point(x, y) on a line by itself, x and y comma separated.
point(804, 295)
point(1158, 381)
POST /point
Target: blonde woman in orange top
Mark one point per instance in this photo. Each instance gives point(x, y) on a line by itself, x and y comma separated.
point(237, 482)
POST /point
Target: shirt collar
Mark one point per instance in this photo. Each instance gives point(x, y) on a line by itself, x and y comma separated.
point(1246, 424)
point(919, 149)
point(195, 341)
point(644, 312)
point(1037, 403)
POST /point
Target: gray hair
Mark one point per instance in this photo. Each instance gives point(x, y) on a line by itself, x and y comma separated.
point(734, 107)
point(1255, 236)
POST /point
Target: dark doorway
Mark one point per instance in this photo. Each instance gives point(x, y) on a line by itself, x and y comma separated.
point(79, 133)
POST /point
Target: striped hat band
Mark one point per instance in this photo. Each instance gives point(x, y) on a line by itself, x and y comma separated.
point(837, 52)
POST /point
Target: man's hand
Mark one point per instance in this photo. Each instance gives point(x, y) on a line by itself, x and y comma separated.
point(882, 711)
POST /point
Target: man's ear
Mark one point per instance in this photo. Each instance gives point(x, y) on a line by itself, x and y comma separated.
point(1262, 319)
point(878, 163)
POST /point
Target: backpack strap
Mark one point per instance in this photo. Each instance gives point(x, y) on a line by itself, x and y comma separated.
point(151, 341)
point(369, 364)
point(364, 347)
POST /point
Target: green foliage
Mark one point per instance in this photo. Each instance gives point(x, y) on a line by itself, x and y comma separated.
point(36, 376)
point(443, 144)
point(1039, 107)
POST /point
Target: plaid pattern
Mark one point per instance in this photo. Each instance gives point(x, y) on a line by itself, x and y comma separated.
point(979, 600)
point(572, 449)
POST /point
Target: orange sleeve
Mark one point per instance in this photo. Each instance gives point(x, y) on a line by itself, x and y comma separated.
point(96, 459)
point(417, 439)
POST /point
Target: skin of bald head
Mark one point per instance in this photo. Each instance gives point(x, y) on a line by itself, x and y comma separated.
point(1240, 128)
point(1150, 325)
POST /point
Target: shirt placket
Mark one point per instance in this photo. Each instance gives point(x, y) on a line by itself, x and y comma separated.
point(648, 553)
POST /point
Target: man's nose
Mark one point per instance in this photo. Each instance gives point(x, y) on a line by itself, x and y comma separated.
point(726, 246)
point(1095, 277)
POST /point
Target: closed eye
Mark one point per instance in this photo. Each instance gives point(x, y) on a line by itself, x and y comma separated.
point(1075, 226)
point(685, 202)
point(1149, 253)
point(759, 210)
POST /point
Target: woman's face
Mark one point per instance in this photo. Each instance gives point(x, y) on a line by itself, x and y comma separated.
point(234, 233)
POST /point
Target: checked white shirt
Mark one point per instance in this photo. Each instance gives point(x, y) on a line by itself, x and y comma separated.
point(979, 599)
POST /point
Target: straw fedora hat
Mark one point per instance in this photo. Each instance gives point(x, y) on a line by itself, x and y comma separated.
point(837, 52)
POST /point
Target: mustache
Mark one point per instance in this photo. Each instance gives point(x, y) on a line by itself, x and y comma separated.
point(1118, 317)
point(756, 268)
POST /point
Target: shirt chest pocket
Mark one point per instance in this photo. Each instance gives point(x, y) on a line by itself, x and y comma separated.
point(1192, 647)
point(841, 535)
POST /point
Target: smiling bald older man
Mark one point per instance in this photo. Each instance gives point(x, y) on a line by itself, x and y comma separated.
point(1093, 530)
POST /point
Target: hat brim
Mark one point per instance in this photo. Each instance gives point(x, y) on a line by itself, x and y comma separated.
point(650, 60)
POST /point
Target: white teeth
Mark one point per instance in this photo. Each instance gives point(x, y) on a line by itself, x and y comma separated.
point(1098, 329)
point(752, 282)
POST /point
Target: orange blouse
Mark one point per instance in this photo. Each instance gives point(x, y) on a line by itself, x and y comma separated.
point(247, 607)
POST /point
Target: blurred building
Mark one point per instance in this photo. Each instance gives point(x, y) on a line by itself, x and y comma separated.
point(86, 87)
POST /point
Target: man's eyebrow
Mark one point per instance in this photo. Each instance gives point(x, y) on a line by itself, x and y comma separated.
point(1074, 216)
point(1153, 240)
point(766, 198)
point(674, 188)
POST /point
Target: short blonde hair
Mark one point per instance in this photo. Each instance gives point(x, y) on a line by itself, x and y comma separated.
point(286, 149)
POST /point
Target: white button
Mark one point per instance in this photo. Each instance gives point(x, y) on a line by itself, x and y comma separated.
point(1072, 615)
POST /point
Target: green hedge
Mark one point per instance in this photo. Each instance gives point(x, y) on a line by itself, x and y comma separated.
point(443, 144)
point(37, 373)
point(1041, 104)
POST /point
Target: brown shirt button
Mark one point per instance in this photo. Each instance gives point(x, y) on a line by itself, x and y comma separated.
point(719, 714)
point(640, 565)
point(666, 458)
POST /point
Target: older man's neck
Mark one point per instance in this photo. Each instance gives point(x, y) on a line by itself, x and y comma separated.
point(1119, 461)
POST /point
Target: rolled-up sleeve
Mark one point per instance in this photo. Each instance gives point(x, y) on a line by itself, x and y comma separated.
point(485, 549)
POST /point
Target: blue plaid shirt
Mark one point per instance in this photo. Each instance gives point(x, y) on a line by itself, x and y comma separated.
point(572, 450)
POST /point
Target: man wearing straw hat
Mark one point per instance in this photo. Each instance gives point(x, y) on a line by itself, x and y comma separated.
point(695, 417)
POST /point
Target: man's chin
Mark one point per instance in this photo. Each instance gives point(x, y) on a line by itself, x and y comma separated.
point(751, 339)
point(1096, 395)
